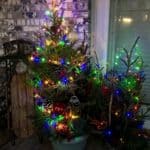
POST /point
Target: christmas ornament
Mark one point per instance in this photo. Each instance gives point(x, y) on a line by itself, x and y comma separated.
point(75, 104)
point(59, 108)
point(74, 101)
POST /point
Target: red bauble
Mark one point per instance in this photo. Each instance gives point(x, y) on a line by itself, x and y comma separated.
point(106, 91)
point(59, 108)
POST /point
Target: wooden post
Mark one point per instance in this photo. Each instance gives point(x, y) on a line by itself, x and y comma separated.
point(21, 106)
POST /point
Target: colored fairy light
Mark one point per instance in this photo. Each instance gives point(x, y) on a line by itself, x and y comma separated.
point(137, 46)
point(48, 42)
point(66, 31)
point(60, 118)
point(59, 82)
point(60, 126)
point(108, 132)
point(43, 60)
point(117, 57)
point(53, 116)
point(46, 82)
point(95, 72)
point(36, 95)
point(64, 38)
point(83, 66)
point(135, 107)
point(137, 68)
point(136, 99)
point(32, 58)
point(68, 63)
point(38, 48)
point(129, 114)
point(117, 92)
point(61, 43)
point(36, 59)
point(39, 83)
point(116, 63)
point(62, 61)
point(116, 113)
point(64, 80)
point(74, 116)
point(40, 108)
point(49, 111)
point(55, 62)
point(48, 13)
point(46, 125)
point(39, 102)
point(53, 123)
point(71, 78)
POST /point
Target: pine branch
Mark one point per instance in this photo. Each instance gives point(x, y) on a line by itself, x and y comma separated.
point(126, 51)
point(134, 61)
point(132, 49)
point(124, 62)
point(128, 63)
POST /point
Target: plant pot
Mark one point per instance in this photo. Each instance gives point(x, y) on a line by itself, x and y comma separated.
point(77, 143)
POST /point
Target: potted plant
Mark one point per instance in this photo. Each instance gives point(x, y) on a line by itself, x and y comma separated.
point(56, 66)
point(63, 126)
point(118, 118)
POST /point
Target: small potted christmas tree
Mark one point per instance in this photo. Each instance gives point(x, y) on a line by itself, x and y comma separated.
point(56, 66)
point(118, 119)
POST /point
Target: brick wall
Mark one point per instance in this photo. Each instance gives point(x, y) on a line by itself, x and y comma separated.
point(22, 18)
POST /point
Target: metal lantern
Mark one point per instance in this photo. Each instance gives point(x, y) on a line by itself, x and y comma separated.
point(75, 104)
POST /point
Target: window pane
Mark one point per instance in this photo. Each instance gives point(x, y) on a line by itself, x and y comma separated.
point(131, 19)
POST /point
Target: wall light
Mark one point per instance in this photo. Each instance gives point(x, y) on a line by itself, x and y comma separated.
point(127, 20)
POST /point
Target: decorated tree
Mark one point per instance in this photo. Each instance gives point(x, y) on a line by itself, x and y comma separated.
point(58, 68)
point(119, 118)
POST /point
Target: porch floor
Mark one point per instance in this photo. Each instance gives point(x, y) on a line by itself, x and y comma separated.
point(32, 143)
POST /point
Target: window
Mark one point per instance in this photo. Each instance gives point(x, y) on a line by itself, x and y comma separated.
point(128, 20)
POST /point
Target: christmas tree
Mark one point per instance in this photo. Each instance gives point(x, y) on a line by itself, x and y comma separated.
point(58, 69)
point(119, 118)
